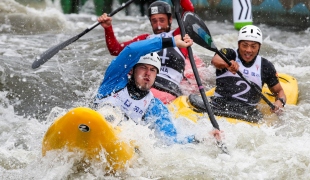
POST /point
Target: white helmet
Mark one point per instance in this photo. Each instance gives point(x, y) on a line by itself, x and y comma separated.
point(250, 33)
point(151, 59)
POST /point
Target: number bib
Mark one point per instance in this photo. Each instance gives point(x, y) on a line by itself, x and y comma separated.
point(135, 109)
point(172, 61)
point(233, 86)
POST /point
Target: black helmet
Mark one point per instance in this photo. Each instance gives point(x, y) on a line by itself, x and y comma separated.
point(159, 7)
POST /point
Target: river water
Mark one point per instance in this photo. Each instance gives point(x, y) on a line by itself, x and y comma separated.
point(31, 99)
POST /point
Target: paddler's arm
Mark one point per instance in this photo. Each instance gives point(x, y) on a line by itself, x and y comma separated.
point(270, 77)
point(220, 64)
point(164, 128)
point(115, 76)
point(280, 97)
point(112, 43)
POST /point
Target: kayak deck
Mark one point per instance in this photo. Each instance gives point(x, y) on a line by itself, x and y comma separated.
point(182, 107)
point(86, 130)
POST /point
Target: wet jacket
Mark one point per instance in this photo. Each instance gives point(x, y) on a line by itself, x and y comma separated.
point(157, 115)
point(171, 59)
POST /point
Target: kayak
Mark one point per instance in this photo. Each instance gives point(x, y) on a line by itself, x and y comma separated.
point(192, 107)
point(86, 130)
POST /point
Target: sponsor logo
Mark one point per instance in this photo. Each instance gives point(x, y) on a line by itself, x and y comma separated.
point(127, 103)
point(245, 71)
point(254, 74)
point(224, 51)
point(164, 69)
point(137, 110)
point(154, 10)
point(251, 36)
point(150, 59)
point(163, 34)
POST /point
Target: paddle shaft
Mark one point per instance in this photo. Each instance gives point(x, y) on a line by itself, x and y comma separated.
point(55, 49)
point(191, 58)
point(247, 81)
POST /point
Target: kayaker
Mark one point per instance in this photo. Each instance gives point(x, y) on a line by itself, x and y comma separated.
point(132, 94)
point(234, 94)
point(167, 84)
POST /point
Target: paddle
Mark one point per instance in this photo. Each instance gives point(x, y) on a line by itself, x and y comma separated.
point(198, 31)
point(55, 49)
point(200, 86)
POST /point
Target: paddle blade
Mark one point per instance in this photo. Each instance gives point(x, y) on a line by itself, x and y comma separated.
point(51, 52)
point(198, 31)
point(55, 49)
point(222, 146)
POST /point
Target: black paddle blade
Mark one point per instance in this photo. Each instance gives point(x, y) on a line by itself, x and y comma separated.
point(51, 52)
point(198, 31)
point(55, 49)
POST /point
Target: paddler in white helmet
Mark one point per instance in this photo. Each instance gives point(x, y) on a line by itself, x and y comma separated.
point(132, 94)
point(232, 93)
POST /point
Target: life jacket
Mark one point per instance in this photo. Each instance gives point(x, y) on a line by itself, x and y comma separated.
point(231, 85)
point(172, 61)
point(134, 109)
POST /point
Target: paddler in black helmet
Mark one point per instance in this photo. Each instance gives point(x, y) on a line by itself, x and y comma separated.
point(167, 84)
